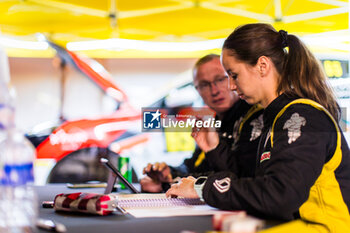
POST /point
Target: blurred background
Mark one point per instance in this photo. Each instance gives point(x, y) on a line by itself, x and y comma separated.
point(148, 48)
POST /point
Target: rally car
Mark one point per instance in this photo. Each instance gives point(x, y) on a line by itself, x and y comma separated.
point(70, 150)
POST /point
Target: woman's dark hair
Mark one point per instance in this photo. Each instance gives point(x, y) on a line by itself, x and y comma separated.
point(300, 73)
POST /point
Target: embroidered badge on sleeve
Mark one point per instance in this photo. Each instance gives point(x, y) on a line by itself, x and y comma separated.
point(223, 185)
point(257, 124)
point(294, 127)
point(265, 156)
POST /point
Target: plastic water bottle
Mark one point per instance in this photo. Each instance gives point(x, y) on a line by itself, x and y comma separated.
point(18, 203)
point(18, 199)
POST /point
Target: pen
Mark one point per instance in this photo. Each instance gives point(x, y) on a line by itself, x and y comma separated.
point(47, 204)
point(50, 225)
point(121, 209)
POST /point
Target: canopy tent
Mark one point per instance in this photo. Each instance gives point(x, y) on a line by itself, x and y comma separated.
point(181, 21)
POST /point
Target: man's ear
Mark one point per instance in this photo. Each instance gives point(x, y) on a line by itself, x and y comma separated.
point(263, 64)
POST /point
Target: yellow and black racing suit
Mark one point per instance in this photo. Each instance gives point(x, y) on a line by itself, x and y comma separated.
point(302, 171)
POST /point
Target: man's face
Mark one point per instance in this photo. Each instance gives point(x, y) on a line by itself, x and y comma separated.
point(211, 82)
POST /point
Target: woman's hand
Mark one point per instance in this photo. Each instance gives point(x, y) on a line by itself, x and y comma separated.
point(185, 188)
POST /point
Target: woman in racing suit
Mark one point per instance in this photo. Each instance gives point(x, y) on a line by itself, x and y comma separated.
point(303, 161)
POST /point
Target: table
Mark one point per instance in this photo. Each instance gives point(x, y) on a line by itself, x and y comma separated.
point(116, 223)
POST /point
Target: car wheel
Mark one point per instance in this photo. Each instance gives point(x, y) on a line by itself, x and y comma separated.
point(82, 166)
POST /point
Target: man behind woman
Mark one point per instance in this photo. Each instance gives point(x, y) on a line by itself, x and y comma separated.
point(303, 165)
point(239, 132)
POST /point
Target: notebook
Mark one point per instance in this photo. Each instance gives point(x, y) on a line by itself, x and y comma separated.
point(145, 205)
point(154, 200)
